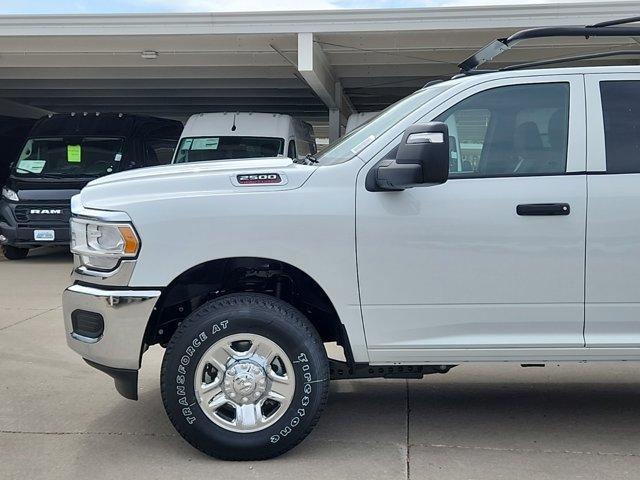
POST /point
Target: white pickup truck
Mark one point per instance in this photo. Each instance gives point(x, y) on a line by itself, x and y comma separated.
point(530, 253)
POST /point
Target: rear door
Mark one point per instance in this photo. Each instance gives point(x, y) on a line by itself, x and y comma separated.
point(612, 313)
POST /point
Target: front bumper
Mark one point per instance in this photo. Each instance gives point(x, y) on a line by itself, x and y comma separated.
point(18, 222)
point(125, 313)
point(23, 237)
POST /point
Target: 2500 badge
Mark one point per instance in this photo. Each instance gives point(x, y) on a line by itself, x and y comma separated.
point(259, 179)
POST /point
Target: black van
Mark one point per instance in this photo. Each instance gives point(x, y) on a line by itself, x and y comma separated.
point(62, 154)
point(13, 133)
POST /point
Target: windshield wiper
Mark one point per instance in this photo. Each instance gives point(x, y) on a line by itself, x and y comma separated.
point(52, 175)
point(64, 175)
point(307, 160)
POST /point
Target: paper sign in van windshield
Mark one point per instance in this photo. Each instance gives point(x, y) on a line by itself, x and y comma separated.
point(362, 145)
point(259, 179)
point(74, 153)
point(118, 157)
point(205, 143)
point(31, 166)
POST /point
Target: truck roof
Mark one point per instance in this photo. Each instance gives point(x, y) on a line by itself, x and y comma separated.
point(252, 124)
point(106, 124)
point(480, 77)
point(10, 126)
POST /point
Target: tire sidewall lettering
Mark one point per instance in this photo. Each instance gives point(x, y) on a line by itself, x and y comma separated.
point(192, 348)
point(299, 411)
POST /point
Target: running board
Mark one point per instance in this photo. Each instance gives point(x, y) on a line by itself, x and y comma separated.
point(344, 371)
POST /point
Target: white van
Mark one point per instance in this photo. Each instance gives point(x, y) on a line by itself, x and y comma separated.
point(357, 119)
point(228, 135)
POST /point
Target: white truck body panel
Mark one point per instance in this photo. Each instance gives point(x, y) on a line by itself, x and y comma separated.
point(193, 214)
point(466, 271)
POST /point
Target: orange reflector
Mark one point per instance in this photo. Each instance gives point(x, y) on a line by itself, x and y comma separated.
point(131, 242)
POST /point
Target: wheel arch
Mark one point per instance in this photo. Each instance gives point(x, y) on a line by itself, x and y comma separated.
point(218, 277)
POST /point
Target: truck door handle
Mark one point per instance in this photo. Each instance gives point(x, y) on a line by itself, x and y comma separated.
point(543, 209)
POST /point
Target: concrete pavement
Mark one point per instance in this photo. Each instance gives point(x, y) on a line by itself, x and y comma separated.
point(61, 419)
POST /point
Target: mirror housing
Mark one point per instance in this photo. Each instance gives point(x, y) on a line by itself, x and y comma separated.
point(422, 159)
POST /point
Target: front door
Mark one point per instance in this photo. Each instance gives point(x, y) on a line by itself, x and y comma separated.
point(493, 258)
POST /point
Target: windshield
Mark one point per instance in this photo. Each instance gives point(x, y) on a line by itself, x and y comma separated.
point(203, 149)
point(357, 140)
point(69, 157)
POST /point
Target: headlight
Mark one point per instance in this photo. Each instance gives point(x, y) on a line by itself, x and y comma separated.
point(100, 245)
point(10, 194)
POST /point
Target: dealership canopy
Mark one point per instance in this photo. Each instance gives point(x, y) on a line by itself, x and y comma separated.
point(318, 65)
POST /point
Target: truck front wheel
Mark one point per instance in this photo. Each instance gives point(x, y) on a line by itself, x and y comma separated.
point(245, 377)
point(14, 253)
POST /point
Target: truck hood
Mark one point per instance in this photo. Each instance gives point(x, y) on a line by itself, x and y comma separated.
point(45, 189)
point(114, 192)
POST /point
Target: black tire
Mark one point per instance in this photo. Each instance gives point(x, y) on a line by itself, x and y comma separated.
point(236, 314)
point(14, 253)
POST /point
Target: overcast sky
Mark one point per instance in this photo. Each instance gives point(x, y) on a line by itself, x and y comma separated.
point(131, 6)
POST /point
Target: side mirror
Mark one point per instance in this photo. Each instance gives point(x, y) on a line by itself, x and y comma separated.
point(422, 159)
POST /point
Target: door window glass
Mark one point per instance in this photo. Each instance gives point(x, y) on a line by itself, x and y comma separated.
point(159, 152)
point(509, 131)
point(291, 151)
point(621, 115)
point(303, 148)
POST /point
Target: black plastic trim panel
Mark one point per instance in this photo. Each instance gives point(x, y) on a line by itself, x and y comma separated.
point(126, 381)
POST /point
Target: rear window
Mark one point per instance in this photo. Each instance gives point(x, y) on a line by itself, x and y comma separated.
point(203, 149)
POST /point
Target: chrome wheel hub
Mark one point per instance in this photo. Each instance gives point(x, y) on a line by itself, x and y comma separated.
point(244, 383)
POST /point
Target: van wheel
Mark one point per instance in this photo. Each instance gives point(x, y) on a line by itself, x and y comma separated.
point(245, 377)
point(14, 253)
